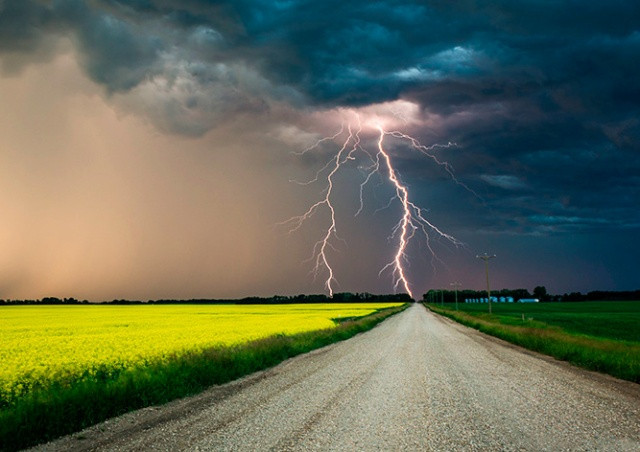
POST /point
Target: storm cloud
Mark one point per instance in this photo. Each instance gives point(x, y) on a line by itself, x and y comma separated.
point(541, 98)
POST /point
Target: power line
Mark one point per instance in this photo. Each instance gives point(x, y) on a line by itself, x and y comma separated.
point(485, 257)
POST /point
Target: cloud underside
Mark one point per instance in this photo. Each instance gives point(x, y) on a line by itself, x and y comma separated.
point(543, 98)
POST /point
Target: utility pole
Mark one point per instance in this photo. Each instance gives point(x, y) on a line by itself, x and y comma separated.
point(485, 257)
point(455, 286)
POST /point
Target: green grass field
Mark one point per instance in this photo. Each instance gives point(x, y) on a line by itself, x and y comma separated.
point(602, 336)
point(618, 320)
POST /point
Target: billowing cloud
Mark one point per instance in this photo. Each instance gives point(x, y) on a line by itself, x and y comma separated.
point(541, 99)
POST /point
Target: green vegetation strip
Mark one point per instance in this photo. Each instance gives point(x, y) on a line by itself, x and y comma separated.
point(615, 357)
point(45, 415)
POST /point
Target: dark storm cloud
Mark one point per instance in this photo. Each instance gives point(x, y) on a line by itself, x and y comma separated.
point(359, 52)
point(21, 26)
point(542, 97)
point(114, 53)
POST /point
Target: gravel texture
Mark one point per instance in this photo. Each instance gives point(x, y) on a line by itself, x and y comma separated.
point(415, 382)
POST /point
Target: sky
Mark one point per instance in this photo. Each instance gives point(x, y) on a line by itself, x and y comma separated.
point(156, 148)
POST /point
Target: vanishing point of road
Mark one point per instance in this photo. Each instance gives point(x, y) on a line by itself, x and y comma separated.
point(415, 382)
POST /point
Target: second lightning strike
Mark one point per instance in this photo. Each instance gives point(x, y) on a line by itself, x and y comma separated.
point(412, 220)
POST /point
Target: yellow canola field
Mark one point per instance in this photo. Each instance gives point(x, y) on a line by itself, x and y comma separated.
point(41, 345)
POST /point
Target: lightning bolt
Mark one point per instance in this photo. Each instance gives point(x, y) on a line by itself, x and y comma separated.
point(321, 246)
point(412, 221)
point(412, 218)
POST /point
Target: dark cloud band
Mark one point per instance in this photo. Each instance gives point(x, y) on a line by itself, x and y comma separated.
point(546, 94)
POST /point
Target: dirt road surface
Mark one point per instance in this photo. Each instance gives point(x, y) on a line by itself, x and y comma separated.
point(415, 382)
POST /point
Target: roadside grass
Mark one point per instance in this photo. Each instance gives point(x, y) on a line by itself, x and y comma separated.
point(62, 409)
point(620, 358)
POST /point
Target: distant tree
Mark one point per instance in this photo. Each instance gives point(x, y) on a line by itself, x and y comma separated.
point(342, 297)
point(540, 292)
point(520, 293)
point(51, 300)
point(574, 296)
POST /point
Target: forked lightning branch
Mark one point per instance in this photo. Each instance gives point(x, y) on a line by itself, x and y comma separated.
point(412, 220)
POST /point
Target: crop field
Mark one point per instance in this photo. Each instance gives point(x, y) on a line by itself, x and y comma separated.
point(68, 367)
point(602, 336)
point(45, 345)
point(619, 320)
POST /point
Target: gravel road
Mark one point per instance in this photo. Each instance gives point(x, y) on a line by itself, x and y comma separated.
point(415, 382)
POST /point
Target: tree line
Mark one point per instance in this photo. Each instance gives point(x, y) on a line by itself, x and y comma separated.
point(343, 297)
point(448, 296)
